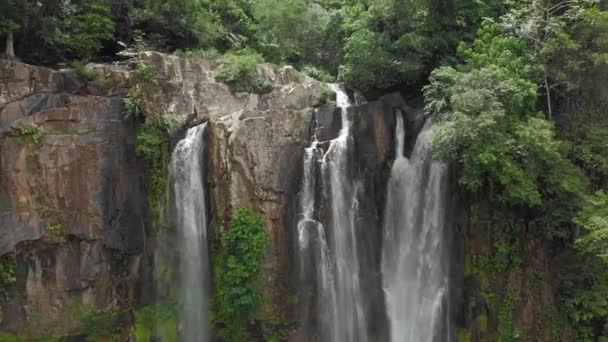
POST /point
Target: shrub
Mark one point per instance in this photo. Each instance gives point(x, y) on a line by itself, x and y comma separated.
point(102, 324)
point(157, 320)
point(318, 73)
point(8, 278)
point(82, 71)
point(33, 134)
point(240, 72)
point(238, 267)
point(56, 229)
point(145, 77)
point(199, 53)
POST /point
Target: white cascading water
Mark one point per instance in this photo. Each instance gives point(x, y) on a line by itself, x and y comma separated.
point(339, 297)
point(414, 255)
point(187, 166)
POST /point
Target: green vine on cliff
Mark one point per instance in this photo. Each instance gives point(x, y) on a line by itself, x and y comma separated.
point(29, 134)
point(237, 269)
point(153, 148)
point(506, 331)
point(8, 267)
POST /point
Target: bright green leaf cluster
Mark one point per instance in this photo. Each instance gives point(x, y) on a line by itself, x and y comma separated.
point(240, 72)
point(153, 148)
point(237, 271)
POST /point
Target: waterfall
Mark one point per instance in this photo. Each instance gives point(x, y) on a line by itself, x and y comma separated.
point(414, 255)
point(339, 299)
point(187, 170)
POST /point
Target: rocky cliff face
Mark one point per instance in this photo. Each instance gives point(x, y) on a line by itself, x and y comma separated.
point(74, 223)
point(71, 204)
point(76, 242)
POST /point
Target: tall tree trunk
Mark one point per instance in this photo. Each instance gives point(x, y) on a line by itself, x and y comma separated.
point(10, 51)
point(548, 90)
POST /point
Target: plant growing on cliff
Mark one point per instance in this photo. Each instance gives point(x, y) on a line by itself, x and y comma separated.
point(8, 278)
point(199, 53)
point(33, 134)
point(56, 229)
point(152, 148)
point(157, 320)
point(240, 72)
point(82, 71)
point(237, 270)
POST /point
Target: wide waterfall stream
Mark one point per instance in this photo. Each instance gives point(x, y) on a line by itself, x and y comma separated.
point(414, 254)
point(187, 170)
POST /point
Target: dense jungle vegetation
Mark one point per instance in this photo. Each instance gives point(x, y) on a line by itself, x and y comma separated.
point(518, 89)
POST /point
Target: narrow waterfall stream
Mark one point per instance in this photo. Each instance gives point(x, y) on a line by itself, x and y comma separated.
point(339, 299)
point(414, 255)
point(187, 169)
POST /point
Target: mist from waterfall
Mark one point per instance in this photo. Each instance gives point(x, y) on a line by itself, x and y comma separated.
point(188, 165)
point(414, 256)
point(340, 311)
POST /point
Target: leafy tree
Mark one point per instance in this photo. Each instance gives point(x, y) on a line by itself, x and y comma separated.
point(368, 62)
point(238, 23)
point(9, 23)
point(88, 27)
point(593, 219)
point(577, 58)
point(293, 27)
point(240, 72)
point(485, 123)
point(176, 24)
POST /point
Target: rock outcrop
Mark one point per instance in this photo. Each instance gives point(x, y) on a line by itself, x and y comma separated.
point(72, 215)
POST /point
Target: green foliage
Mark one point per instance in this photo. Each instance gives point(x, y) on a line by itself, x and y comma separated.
point(82, 71)
point(8, 278)
point(317, 73)
point(506, 331)
point(576, 56)
point(493, 48)
point(176, 24)
point(30, 134)
point(326, 93)
point(152, 148)
point(89, 27)
point(464, 335)
point(369, 63)
point(145, 84)
point(98, 325)
point(587, 300)
point(240, 71)
point(199, 53)
point(295, 27)
point(588, 134)
point(485, 123)
point(593, 220)
point(56, 229)
point(105, 84)
point(131, 108)
point(145, 77)
point(157, 320)
point(237, 270)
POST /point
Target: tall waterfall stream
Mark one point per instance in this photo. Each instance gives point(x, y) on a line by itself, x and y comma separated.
point(339, 296)
point(187, 167)
point(414, 253)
